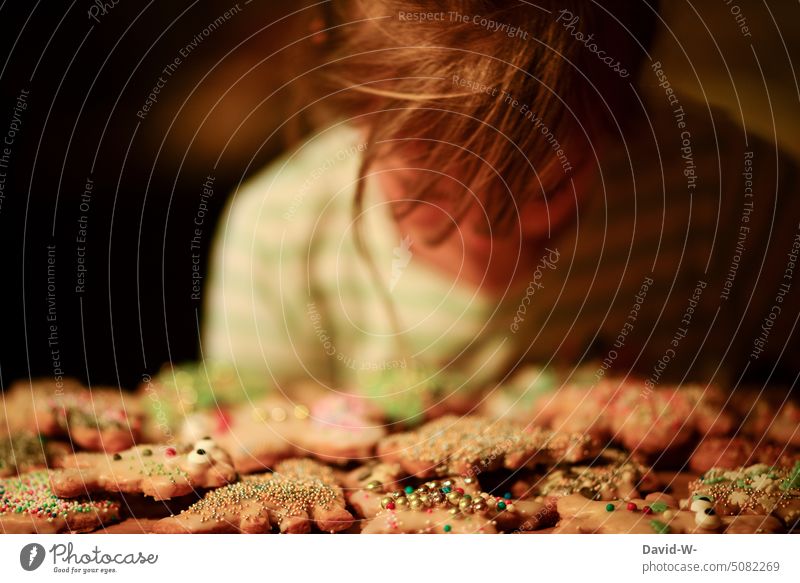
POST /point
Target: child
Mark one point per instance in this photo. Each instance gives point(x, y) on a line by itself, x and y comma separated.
point(493, 189)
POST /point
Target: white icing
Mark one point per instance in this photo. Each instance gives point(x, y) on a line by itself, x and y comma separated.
point(708, 521)
point(700, 505)
point(199, 459)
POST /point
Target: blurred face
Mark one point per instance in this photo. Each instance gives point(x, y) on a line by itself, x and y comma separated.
point(449, 202)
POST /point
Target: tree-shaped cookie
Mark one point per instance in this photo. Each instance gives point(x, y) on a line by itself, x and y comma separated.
point(299, 494)
point(469, 445)
point(611, 476)
point(757, 489)
point(453, 505)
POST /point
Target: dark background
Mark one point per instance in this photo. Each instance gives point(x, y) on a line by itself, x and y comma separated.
point(215, 115)
point(86, 81)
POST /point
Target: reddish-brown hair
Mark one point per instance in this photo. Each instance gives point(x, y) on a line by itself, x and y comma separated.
point(400, 66)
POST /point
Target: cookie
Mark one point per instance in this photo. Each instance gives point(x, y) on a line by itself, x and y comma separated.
point(521, 397)
point(373, 497)
point(438, 521)
point(467, 446)
point(299, 494)
point(645, 421)
point(576, 408)
point(179, 390)
point(612, 476)
point(162, 472)
point(453, 506)
point(768, 417)
point(332, 428)
point(649, 424)
point(365, 486)
point(657, 514)
point(758, 489)
point(23, 452)
point(28, 505)
point(100, 419)
point(736, 452)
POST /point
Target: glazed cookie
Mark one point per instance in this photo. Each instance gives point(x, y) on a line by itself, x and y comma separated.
point(650, 424)
point(162, 472)
point(657, 514)
point(100, 419)
point(453, 505)
point(332, 428)
point(24, 452)
point(364, 486)
point(613, 476)
point(768, 418)
point(300, 493)
point(373, 497)
point(469, 445)
point(758, 489)
point(438, 521)
point(28, 505)
point(519, 398)
point(736, 452)
point(180, 390)
point(580, 409)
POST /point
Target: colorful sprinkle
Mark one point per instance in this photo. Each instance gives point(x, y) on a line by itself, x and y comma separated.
point(659, 527)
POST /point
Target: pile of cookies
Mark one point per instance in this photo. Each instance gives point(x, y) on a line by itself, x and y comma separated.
point(574, 459)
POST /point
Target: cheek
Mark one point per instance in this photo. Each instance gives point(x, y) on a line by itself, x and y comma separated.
point(532, 219)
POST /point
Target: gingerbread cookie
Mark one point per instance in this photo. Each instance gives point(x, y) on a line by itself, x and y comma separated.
point(23, 452)
point(373, 497)
point(758, 489)
point(657, 514)
point(162, 472)
point(300, 493)
point(612, 476)
point(331, 428)
point(768, 417)
point(521, 397)
point(28, 505)
point(451, 505)
point(364, 486)
point(736, 452)
point(100, 419)
point(652, 423)
point(469, 445)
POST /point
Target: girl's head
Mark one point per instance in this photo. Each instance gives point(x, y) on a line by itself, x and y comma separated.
point(489, 103)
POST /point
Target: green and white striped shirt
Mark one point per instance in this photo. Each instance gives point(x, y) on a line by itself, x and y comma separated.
point(637, 283)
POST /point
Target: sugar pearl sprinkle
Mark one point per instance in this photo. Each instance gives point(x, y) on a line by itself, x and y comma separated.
point(143, 461)
point(450, 442)
point(595, 483)
point(30, 494)
point(757, 489)
point(294, 489)
point(441, 495)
